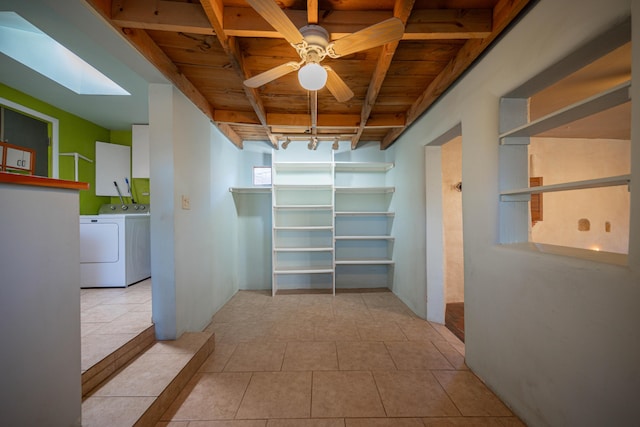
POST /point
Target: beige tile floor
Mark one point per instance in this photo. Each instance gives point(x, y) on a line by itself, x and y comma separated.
point(356, 359)
point(110, 317)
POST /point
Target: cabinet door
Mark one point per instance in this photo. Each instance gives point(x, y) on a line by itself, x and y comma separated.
point(113, 164)
point(140, 151)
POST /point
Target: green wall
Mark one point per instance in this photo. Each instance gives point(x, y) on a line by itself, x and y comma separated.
point(76, 135)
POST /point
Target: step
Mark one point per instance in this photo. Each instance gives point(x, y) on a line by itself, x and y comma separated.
point(115, 360)
point(141, 391)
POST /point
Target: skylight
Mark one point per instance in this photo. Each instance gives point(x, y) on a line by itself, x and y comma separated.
point(26, 44)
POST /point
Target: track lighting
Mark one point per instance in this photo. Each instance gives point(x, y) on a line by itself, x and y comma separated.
point(336, 144)
point(313, 144)
point(285, 144)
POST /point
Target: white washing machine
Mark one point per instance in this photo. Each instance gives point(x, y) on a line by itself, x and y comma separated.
point(115, 246)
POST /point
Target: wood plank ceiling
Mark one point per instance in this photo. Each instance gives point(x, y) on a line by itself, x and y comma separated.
point(208, 48)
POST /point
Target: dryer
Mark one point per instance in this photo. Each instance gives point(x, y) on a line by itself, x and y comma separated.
point(115, 246)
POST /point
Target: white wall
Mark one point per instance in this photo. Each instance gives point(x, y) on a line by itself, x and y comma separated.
point(567, 160)
point(192, 256)
point(39, 306)
point(555, 337)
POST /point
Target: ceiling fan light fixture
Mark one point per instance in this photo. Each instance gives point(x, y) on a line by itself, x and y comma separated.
point(312, 76)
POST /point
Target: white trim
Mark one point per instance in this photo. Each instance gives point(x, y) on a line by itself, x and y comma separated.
point(54, 131)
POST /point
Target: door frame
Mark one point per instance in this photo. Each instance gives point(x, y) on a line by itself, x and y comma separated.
point(434, 239)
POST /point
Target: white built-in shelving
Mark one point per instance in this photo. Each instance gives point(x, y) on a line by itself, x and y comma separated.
point(363, 224)
point(331, 224)
point(302, 238)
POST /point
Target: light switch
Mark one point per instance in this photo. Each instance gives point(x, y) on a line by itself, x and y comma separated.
point(186, 203)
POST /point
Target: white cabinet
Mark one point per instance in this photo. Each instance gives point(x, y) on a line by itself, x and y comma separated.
point(140, 151)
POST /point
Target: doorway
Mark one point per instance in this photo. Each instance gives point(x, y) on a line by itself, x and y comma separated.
point(444, 224)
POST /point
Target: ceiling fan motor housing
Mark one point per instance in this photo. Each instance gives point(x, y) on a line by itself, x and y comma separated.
point(316, 41)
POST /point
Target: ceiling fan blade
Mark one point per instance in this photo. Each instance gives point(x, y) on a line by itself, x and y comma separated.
point(378, 34)
point(337, 86)
point(272, 74)
point(272, 13)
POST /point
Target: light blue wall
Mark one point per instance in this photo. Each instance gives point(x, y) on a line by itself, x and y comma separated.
point(555, 337)
point(254, 221)
point(225, 161)
point(161, 159)
point(192, 259)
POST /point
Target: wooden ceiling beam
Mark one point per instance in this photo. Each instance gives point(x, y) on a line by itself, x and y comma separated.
point(147, 47)
point(336, 120)
point(161, 15)
point(214, 10)
point(449, 24)
point(235, 56)
point(402, 10)
point(233, 136)
point(312, 11)
point(430, 24)
point(504, 13)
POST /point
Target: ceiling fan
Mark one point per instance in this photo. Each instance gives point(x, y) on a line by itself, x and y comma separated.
point(313, 45)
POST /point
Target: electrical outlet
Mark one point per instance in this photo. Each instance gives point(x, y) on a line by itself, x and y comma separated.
point(186, 203)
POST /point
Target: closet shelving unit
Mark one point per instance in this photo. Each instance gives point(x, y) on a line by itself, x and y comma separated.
point(331, 225)
point(303, 225)
point(363, 221)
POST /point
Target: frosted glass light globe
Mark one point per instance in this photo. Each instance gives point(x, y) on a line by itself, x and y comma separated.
point(312, 76)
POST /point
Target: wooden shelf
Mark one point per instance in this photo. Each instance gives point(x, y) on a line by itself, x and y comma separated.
point(41, 181)
point(523, 194)
point(363, 166)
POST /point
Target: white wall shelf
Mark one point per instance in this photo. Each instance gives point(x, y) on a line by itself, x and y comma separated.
point(283, 249)
point(302, 166)
point(309, 228)
point(365, 189)
point(304, 207)
point(364, 262)
point(295, 270)
point(363, 166)
point(602, 101)
point(250, 190)
point(519, 194)
point(364, 238)
point(352, 213)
